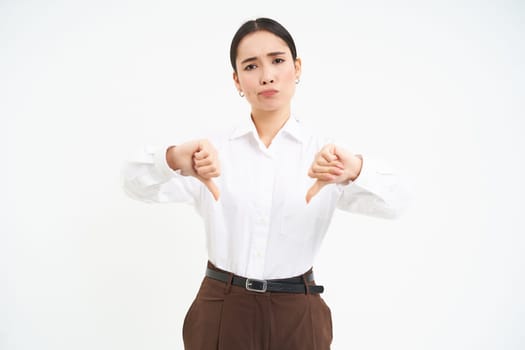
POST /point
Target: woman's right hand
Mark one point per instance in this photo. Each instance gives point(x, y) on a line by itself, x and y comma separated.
point(196, 158)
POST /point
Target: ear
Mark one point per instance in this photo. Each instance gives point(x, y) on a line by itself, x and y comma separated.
point(298, 64)
point(236, 81)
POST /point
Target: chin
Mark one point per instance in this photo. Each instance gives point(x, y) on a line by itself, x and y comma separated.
point(270, 107)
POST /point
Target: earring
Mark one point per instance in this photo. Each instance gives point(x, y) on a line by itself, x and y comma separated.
point(297, 81)
point(241, 93)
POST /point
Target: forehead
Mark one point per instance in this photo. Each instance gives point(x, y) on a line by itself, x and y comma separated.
point(260, 43)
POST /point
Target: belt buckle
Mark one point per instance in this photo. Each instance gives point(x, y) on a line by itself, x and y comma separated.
point(255, 285)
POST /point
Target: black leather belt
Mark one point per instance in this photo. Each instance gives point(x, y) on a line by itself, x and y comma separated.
point(287, 285)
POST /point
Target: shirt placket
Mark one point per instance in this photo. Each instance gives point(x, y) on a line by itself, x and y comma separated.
point(261, 219)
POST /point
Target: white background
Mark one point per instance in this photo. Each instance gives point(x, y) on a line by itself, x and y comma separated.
point(437, 88)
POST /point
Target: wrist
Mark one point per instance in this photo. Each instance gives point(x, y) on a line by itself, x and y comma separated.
point(357, 165)
point(171, 158)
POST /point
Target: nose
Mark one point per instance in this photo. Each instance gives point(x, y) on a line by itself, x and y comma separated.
point(267, 76)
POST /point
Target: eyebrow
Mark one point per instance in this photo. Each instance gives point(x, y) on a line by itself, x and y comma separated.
point(270, 54)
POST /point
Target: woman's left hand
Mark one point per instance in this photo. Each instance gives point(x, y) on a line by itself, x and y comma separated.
point(333, 165)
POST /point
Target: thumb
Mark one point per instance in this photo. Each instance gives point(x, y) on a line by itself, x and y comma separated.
point(316, 187)
point(211, 186)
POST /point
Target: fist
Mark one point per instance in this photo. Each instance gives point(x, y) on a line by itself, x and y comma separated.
point(198, 159)
point(333, 165)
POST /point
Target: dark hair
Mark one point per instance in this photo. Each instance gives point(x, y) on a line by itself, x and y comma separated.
point(256, 25)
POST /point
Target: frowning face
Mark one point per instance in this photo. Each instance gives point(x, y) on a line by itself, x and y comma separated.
point(266, 72)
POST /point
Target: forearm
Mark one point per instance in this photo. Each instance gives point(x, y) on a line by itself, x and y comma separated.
point(146, 176)
point(377, 191)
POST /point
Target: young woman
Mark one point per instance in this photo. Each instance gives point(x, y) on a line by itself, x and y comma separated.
point(266, 192)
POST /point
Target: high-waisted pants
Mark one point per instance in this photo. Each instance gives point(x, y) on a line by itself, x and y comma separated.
point(229, 317)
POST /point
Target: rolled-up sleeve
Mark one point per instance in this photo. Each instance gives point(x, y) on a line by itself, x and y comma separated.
point(377, 191)
point(146, 176)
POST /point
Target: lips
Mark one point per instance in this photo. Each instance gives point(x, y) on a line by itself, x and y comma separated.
point(268, 93)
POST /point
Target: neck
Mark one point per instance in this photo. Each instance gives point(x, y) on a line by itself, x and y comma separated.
point(268, 124)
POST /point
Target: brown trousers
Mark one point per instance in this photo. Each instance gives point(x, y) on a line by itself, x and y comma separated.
point(227, 317)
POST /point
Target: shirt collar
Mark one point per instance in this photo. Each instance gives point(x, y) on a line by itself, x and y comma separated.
point(295, 129)
point(243, 128)
point(292, 127)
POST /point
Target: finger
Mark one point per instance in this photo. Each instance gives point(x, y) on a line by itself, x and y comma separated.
point(201, 154)
point(316, 187)
point(328, 176)
point(322, 176)
point(328, 153)
point(325, 177)
point(342, 153)
point(338, 164)
point(328, 157)
point(202, 162)
point(316, 169)
point(211, 186)
point(323, 162)
point(208, 171)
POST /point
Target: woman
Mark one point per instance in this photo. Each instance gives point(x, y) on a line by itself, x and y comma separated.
point(266, 191)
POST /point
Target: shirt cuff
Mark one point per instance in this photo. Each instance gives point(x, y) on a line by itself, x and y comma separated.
point(371, 169)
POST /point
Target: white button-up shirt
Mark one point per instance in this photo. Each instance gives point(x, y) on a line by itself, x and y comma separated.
point(261, 226)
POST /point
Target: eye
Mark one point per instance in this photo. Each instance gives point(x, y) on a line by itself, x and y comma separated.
point(278, 60)
point(250, 67)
